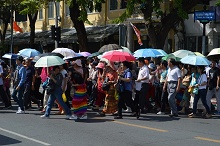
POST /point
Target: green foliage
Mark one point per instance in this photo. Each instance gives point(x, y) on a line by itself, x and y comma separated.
point(218, 3)
point(84, 5)
point(30, 6)
point(145, 5)
point(178, 4)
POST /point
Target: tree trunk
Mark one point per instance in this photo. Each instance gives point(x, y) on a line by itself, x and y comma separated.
point(32, 19)
point(158, 32)
point(79, 26)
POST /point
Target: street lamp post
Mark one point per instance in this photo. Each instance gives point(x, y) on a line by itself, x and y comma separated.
point(12, 40)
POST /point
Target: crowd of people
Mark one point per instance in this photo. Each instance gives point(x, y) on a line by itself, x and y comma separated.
point(112, 87)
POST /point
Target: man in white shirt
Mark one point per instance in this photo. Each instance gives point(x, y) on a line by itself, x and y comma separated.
point(142, 84)
point(173, 82)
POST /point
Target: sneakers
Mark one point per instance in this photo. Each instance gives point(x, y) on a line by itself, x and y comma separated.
point(20, 112)
point(44, 117)
point(73, 117)
point(83, 117)
point(208, 116)
point(161, 113)
point(173, 115)
point(192, 115)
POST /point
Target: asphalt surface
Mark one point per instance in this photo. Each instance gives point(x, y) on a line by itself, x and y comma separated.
point(150, 130)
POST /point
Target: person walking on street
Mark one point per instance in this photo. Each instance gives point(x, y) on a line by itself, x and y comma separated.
point(3, 94)
point(18, 84)
point(201, 93)
point(55, 93)
point(213, 86)
point(29, 83)
point(173, 81)
point(125, 90)
point(142, 86)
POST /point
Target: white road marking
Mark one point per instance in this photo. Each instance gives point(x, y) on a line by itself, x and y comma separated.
point(25, 137)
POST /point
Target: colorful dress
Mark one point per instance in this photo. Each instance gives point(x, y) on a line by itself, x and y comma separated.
point(79, 100)
point(111, 102)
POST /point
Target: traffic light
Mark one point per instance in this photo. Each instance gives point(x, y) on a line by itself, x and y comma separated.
point(56, 33)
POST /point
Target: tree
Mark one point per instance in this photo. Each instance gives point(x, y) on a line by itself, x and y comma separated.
point(31, 8)
point(158, 32)
point(78, 14)
point(5, 16)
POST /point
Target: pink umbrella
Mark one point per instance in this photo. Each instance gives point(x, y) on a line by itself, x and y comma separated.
point(118, 56)
point(85, 54)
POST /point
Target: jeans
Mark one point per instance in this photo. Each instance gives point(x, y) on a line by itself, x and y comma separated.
point(209, 96)
point(26, 96)
point(57, 95)
point(201, 94)
point(19, 98)
point(171, 89)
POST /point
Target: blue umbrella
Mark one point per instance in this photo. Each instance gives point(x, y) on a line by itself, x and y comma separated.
point(162, 52)
point(28, 52)
point(10, 56)
point(195, 60)
point(149, 52)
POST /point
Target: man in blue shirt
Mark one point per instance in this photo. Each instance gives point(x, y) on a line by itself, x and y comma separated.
point(125, 90)
point(18, 84)
point(29, 83)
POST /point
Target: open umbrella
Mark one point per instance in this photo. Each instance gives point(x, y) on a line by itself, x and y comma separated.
point(149, 52)
point(167, 57)
point(109, 47)
point(36, 58)
point(162, 52)
point(48, 61)
point(28, 52)
point(74, 58)
point(214, 54)
point(95, 54)
point(125, 49)
point(199, 54)
point(118, 56)
point(183, 53)
point(195, 60)
point(10, 56)
point(85, 54)
point(65, 52)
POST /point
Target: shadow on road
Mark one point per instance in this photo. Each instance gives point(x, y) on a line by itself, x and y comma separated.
point(4, 140)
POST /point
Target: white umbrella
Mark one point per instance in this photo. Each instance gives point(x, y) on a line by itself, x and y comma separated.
point(48, 61)
point(68, 53)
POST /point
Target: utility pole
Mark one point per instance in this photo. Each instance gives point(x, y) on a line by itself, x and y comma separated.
point(56, 23)
point(12, 39)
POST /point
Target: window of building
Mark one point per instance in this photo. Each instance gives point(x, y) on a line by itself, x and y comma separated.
point(67, 10)
point(58, 8)
point(50, 10)
point(19, 17)
point(123, 4)
point(113, 4)
point(40, 14)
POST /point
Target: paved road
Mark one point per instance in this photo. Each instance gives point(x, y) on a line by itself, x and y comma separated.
point(150, 130)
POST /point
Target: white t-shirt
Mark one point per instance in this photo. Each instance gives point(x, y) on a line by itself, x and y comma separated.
point(202, 79)
point(1, 72)
point(65, 76)
point(144, 73)
point(174, 74)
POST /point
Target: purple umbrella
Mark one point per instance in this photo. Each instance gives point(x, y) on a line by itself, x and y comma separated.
point(85, 54)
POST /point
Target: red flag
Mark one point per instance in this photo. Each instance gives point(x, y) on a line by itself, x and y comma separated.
point(138, 34)
point(16, 27)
